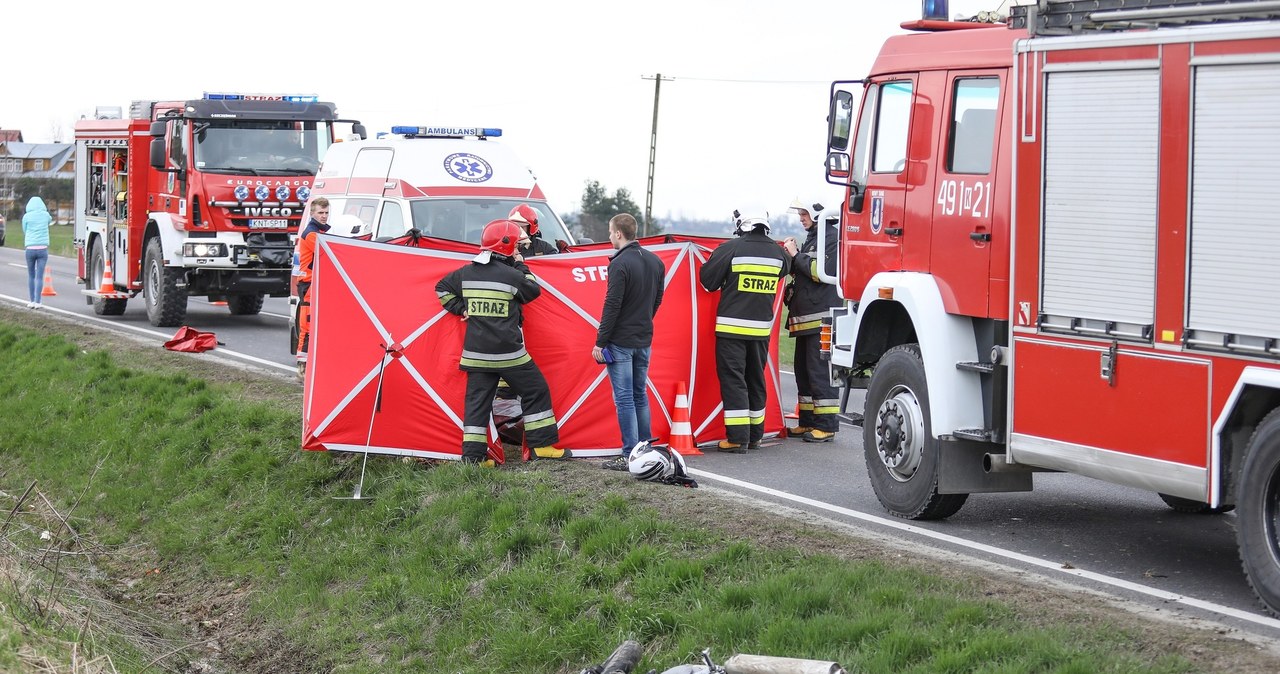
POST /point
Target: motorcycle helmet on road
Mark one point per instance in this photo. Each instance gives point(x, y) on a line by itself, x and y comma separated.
point(650, 463)
point(656, 463)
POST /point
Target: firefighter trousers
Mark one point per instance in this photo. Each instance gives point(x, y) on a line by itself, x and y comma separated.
point(304, 319)
point(535, 401)
point(819, 400)
point(740, 366)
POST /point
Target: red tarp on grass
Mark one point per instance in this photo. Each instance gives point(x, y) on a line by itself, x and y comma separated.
point(376, 321)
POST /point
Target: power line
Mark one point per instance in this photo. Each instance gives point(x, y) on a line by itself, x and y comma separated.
point(741, 81)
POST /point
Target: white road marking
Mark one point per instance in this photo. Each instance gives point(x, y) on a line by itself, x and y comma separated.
point(1055, 567)
point(150, 333)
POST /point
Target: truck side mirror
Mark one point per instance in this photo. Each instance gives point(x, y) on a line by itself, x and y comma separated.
point(837, 168)
point(157, 151)
point(358, 129)
point(158, 129)
point(839, 120)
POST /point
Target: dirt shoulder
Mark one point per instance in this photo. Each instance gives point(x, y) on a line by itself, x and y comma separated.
point(206, 609)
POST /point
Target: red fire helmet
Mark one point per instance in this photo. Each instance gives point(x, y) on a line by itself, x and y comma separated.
point(526, 215)
point(500, 236)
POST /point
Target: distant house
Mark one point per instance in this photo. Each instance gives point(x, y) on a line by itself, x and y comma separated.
point(32, 160)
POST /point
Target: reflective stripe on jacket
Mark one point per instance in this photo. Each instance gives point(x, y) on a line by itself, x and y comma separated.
point(491, 295)
point(746, 271)
point(811, 298)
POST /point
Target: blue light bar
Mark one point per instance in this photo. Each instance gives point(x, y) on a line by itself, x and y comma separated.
point(292, 98)
point(934, 10)
point(445, 132)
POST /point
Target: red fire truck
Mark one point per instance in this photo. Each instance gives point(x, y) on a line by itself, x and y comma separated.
point(196, 198)
point(1058, 252)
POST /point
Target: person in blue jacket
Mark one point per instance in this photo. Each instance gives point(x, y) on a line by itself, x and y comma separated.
point(35, 231)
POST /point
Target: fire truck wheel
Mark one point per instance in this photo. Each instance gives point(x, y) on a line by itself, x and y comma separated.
point(245, 305)
point(1258, 513)
point(97, 268)
point(899, 447)
point(166, 304)
point(1193, 507)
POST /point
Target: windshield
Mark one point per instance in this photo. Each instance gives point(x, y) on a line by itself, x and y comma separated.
point(464, 219)
point(261, 148)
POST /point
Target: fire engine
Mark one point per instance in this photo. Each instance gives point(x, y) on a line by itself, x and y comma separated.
point(1057, 253)
point(196, 198)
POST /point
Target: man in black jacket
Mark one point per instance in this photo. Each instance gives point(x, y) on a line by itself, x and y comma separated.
point(746, 271)
point(810, 301)
point(488, 294)
point(626, 330)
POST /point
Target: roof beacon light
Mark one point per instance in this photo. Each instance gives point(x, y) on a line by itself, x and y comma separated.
point(445, 132)
point(934, 10)
point(292, 98)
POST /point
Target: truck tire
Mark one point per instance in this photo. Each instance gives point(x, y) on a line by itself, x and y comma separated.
point(97, 267)
point(245, 305)
point(1258, 512)
point(901, 453)
point(1193, 507)
point(166, 303)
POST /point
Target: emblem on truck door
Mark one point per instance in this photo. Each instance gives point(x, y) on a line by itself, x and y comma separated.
point(468, 167)
point(877, 211)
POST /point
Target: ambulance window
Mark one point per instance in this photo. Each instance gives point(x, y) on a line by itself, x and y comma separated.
point(391, 224)
point(892, 122)
point(973, 125)
point(372, 163)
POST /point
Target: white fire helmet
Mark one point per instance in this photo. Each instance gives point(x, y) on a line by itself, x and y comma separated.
point(349, 226)
point(750, 222)
point(812, 209)
point(654, 463)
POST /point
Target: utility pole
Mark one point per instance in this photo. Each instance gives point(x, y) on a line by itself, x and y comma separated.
point(653, 151)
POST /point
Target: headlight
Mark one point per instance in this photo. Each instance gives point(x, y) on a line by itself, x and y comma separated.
point(204, 250)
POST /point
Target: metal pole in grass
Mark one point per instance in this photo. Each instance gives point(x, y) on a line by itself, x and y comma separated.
point(392, 351)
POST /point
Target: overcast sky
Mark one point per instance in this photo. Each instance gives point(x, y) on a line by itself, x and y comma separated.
point(741, 126)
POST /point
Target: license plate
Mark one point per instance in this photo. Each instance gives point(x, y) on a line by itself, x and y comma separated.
point(275, 223)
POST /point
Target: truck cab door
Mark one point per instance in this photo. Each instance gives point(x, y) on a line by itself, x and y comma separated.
point(962, 241)
point(875, 221)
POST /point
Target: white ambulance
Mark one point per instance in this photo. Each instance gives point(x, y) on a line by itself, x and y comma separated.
point(445, 182)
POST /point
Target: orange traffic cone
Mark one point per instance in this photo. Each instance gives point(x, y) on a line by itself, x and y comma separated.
point(48, 283)
point(108, 286)
point(681, 439)
point(789, 415)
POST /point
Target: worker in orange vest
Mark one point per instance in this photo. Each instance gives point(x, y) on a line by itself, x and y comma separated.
point(319, 224)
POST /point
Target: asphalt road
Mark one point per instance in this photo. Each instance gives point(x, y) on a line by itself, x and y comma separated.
point(1118, 540)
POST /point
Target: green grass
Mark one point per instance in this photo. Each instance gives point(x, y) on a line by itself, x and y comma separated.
point(59, 238)
point(455, 568)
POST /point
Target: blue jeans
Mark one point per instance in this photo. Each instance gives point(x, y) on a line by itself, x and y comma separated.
point(37, 258)
point(628, 373)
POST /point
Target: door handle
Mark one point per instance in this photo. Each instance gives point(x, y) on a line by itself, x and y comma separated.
point(980, 237)
point(893, 231)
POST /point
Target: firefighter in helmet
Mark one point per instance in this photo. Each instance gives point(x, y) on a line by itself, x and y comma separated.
point(488, 294)
point(808, 302)
point(532, 244)
point(746, 271)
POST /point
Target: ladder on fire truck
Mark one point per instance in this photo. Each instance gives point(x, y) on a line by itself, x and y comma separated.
point(1066, 17)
